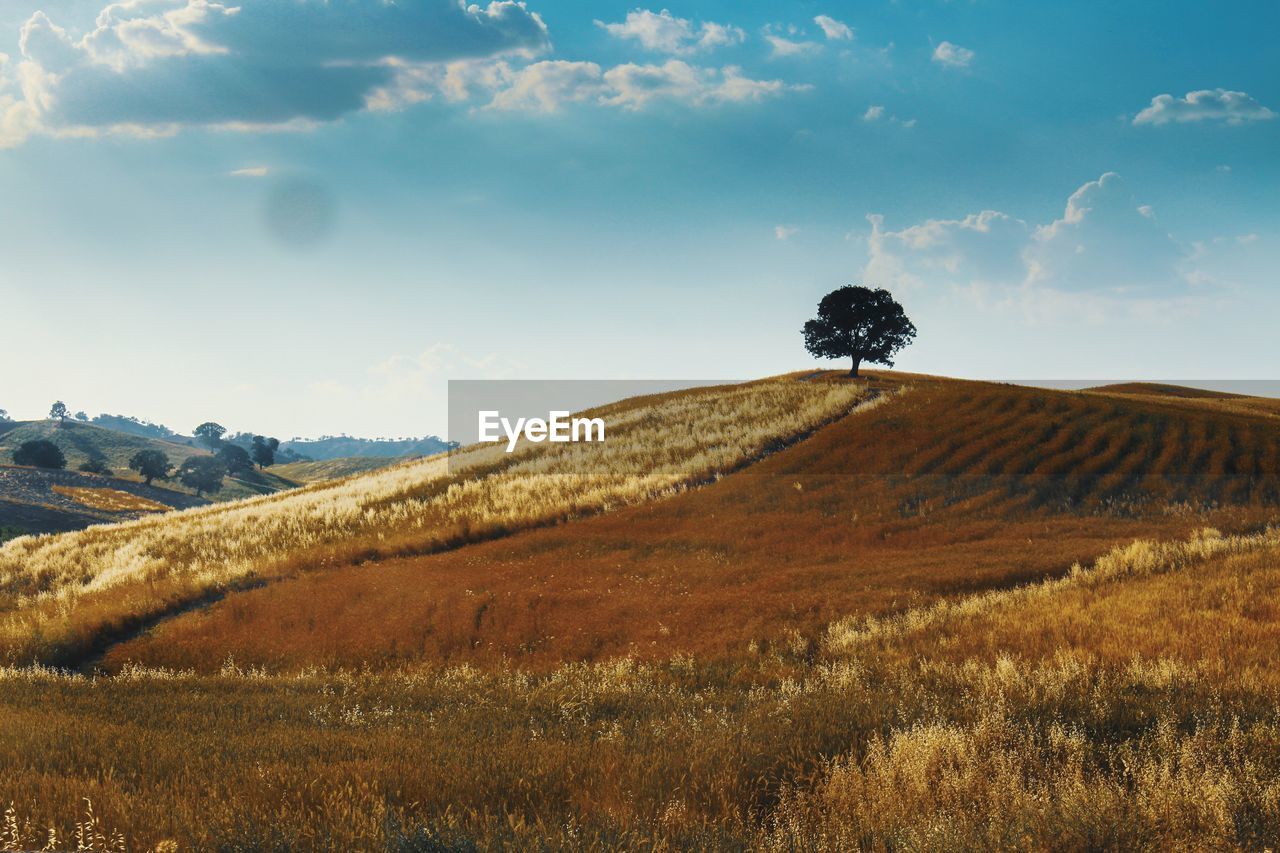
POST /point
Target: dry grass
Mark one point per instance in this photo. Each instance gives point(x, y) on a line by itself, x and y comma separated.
point(62, 594)
point(946, 490)
point(910, 741)
point(111, 500)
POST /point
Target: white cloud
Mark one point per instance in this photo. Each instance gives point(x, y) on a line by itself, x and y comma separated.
point(250, 172)
point(547, 86)
point(833, 29)
point(785, 47)
point(663, 32)
point(785, 232)
point(1204, 105)
point(952, 55)
point(1103, 249)
point(878, 113)
point(150, 67)
point(1147, 211)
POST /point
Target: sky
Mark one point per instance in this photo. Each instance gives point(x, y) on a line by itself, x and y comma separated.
point(301, 218)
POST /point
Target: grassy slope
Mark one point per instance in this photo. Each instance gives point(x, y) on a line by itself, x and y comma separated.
point(1134, 708)
point(81, 442)
point(62, 598)
point(1007, 485)
point(333, 469)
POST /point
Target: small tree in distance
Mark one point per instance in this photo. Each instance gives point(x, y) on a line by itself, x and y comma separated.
point(210, 434)
point(859, 323)
point(58, 412)
point(235, 459)
point(4, 416)
point(264, 450)
point(39, 454)
point(202, 473)
point(151, 464)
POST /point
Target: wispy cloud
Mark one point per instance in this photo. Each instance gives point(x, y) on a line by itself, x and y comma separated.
point(878, 113)
point(786, 47)
point(951, 55)
point(833, 29)
point(1204, 105)
point(785, 232)
point(250, 172)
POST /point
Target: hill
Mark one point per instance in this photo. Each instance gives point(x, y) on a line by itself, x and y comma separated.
point(34, 500)
point(804, 613)
point(658, 445)
point(333, 469)
point(323, 449)
point(81, 442)
point(946, 488)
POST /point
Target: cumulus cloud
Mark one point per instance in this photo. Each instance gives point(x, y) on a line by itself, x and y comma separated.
point(1204, 105)
point(151, 65)
point(1104, 246)
point(833, 29)
point(664, 32)
point(785, 232)
point(549, 85)
point(951, 55)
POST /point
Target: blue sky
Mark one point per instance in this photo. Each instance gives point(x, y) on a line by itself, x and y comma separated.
point(303, 217)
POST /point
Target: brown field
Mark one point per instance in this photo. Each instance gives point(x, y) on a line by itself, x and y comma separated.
point(951, 488)
point(111, 500)
point(867, 637)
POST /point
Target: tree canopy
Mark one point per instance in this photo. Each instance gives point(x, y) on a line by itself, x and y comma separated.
point(861, 324)
point(235, 458)
point(210, 433)
point(40, 454)
point(151, 464)
point(202, 473)
point(264, 450)
point(58, 411)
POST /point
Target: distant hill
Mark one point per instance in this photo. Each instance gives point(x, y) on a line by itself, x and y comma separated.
point(334, 447)
point(134, 426)
point(81, 442)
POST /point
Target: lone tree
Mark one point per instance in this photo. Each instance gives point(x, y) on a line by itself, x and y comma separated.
point(40, 454)
point(264, 450)
point(151, 464)
point(202, 473)
point(211, 434)
point(4, 416)
point(859, 323)
point(58, 412)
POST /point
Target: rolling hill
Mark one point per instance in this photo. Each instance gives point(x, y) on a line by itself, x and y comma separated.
point(81, 442)
point(946, 488)
point(804, 613)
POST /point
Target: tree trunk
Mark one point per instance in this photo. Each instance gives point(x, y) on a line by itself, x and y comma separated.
point(853, 371)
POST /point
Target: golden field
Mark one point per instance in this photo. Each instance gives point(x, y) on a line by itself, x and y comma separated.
point(906, 613)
